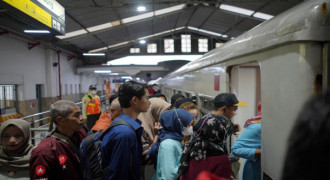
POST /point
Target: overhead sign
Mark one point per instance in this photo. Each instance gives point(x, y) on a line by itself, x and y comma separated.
point(48, 12)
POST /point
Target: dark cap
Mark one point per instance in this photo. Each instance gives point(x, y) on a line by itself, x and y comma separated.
point(92, 86)
point(178, 103)
point(227, 99)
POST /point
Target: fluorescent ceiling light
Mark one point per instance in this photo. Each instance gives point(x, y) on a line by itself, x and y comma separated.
point(93, 54)
point(114, 74)
point(37, 31)
point(126, 77)
point(100, 27)
point(169, 10)
point(102, 71)
point(236, 9)
point(262, 16)
point(151, 60)
point(142, 41)
point(136, 18)
point(73, 33)
point(141, 8)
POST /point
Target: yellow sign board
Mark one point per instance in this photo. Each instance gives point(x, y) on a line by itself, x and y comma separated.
point(32, 10)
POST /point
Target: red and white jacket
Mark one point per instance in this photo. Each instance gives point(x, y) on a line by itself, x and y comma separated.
point(54, 159)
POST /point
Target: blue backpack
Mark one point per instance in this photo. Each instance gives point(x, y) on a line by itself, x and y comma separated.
point(90, 153)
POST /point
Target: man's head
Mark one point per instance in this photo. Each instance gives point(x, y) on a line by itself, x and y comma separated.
point(112, 97)
point(115, 109)
point(227, 104)
point(134, 94)
point(92, 89)
point(66, 115)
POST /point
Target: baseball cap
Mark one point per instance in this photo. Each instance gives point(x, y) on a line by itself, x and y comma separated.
point(92, 86)
point(227, 99)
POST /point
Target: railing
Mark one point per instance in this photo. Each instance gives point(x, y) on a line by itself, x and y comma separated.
point(40, 122)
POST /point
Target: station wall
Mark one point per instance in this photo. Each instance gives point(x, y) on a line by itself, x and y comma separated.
point(28, 68)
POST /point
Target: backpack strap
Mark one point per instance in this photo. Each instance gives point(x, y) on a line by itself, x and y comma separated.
point(122, 122)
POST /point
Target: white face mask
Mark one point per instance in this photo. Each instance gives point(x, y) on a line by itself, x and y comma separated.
point(187, 131)
point(93, 92)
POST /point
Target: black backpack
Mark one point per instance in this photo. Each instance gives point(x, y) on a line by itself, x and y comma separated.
point(90, 153)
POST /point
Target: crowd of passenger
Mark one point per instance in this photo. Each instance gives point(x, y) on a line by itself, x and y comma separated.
point(145, 137)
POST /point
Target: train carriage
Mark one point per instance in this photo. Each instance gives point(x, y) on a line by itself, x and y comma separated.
point(282, 62)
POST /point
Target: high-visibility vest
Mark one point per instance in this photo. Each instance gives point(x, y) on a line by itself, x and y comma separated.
point(93, 106)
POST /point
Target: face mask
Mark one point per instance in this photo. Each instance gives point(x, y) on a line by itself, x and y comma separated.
point(93, 92)
point(187, 131)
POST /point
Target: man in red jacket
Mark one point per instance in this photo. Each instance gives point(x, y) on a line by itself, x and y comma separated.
point(56, 157)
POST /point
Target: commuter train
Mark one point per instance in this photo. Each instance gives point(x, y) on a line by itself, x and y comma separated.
point(280, 63)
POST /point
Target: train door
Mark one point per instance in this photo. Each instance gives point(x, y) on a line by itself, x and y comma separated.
point(245, 83)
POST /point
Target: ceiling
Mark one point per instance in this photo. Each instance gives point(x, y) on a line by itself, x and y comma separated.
point(119, 29)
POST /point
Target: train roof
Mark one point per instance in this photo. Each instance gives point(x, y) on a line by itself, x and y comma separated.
point(308, 21)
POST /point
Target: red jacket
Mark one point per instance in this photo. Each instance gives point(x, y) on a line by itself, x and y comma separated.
point(218, 165)
point(54, 159)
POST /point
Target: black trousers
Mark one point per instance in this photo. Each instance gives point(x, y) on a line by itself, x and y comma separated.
point(91, 119)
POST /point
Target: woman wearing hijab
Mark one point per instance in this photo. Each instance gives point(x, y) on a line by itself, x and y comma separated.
point(248, 146)
point(150, 133)
point(206, 150)
point(149, 118)
point(168, 148)
point(15, 151)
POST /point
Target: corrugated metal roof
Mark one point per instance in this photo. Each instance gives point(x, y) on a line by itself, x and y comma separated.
point(204, 15)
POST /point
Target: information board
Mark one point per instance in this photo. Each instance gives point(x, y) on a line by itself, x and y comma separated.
point(48, 12)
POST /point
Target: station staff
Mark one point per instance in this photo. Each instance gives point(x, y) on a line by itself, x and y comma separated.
point(91, 107)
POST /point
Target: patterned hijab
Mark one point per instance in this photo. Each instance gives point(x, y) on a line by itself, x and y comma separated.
point(17, 160)
point(210, 134)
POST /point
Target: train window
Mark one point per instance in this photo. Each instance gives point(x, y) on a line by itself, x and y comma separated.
point(152, 48)
point(206, 103)
point(202, 45)
point(169, 45)
point(135, 50)
point(185, 43)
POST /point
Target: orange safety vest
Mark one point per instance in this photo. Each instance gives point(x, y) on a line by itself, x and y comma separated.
point(93, 106)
